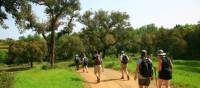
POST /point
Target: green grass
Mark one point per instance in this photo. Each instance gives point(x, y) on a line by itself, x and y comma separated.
point(53, 78)
point(186, 73)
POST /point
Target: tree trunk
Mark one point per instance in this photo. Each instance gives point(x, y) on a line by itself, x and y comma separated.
point(31, 63)
point(52, 47)
point(104, 53)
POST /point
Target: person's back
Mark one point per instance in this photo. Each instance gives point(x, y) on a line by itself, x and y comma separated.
point(77, 61)
point(124, 64)
point(98, 66)
point(85, 64)
point(144, 70)
point(164, 69)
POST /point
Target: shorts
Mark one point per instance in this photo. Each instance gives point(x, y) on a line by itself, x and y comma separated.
point(144, 82)
point(97, 69)
point(165, 76)
point(85, 64)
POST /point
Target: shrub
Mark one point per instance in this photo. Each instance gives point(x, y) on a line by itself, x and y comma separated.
point(6, 79)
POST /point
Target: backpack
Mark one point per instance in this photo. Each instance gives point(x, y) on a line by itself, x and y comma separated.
point(98, 60)
point(166, 66)
point(77, 60)
point(85, 60)
point(125, 59)
point(146, 68)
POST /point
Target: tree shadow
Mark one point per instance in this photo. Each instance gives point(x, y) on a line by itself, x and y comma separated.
point(76, 79)
point(109, 80)
point(17, 68)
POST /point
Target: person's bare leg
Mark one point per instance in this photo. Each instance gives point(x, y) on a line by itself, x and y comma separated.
point(166, 82)
point(126, 71)
point(122, 70)
point(160, 83)
point(140, 86)
point(86, 69)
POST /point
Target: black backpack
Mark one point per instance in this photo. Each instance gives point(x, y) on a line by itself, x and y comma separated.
point(166, 66)
point(85, 60)
point(77, 60)
point(146, 68)
point(125, 59)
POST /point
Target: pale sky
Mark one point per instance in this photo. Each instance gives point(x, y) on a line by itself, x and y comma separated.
point(165, 13)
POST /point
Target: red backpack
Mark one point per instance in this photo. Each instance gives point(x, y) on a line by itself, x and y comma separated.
point(98, 60)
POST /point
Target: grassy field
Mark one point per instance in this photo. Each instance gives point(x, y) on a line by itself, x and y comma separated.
point(186, 74)
point(55, 78)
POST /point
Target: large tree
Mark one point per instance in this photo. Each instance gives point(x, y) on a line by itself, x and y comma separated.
point(101, 24)
point(61, 14)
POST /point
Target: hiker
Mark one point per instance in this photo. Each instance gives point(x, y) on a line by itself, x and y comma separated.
point(85, 63)
point(77, 61)
point(164, 69)
point(98, 65)
point(144, 70)
point(124, 64)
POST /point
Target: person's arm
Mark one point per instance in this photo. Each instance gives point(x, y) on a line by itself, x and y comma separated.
point(159, 65)
point(102, 65)
point(171, 63)
point(136, 72)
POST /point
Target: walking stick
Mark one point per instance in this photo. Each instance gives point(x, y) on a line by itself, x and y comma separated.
point(155, 77)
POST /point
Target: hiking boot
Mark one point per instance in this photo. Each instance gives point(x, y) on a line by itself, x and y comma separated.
point(98, 79)
point(128, 77)
point(122, 77)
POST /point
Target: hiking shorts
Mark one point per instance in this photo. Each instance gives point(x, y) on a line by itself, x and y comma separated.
point(97, 69)
point(165, 76)
point(124, 66)
point(144, 82)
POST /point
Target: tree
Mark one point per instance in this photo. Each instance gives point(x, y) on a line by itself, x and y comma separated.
point(102, 23)
point(27, 51)
point(69, 45)
point(56, 10)
point(12, 7)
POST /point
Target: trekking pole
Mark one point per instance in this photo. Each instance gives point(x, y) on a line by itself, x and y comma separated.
point(156, 77)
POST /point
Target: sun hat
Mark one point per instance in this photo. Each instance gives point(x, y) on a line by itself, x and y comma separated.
point(143, 51)
point(161, 53)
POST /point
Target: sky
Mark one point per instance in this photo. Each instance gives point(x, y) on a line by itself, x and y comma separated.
point(166, 13)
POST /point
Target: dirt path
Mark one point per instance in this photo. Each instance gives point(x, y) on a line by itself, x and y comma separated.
point(109, 79)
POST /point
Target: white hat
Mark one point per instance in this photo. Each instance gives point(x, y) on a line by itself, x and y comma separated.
point(161, 53)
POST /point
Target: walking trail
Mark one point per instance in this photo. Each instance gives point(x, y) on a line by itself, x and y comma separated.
point(110, 79)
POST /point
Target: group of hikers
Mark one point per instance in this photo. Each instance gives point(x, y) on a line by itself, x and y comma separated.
point(144, 69)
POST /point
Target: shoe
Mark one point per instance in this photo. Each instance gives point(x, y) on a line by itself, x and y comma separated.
point(122, 77)
point(98, 79)
point(128, 77)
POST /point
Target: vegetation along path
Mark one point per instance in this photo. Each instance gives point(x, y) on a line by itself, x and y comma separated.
point(109, 79)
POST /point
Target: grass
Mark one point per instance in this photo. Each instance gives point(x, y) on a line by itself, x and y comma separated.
point(53, 78)
point(186, 73)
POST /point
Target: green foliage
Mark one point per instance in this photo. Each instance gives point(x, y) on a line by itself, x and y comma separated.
point(3, 56)
point(24, 52)
point(68, 46)
point(6, 80)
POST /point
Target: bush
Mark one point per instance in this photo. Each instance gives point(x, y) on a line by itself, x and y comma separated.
point(3, 56)
point(6, 79)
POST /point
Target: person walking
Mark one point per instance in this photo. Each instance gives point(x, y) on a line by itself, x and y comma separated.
point(77, 61)
point(85, 63)
point(124, 64)
point(98, 68)
point(144, 70)
point(164, 69)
